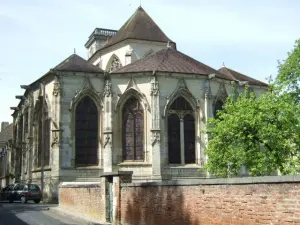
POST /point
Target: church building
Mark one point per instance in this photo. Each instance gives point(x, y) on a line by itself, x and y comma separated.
point(136, 104)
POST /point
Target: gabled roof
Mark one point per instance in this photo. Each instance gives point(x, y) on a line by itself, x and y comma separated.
point(241, 77)
point(7, 133)
point(169, 60)
point(139, 26)
point(75, 63)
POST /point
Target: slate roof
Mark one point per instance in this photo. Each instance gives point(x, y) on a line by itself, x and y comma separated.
point(139, 26)
point(169, 60)
point(75, 63)
point(7, 133)
point(241, 77)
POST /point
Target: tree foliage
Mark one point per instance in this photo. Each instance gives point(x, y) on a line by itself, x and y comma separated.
point(288, 79)
point(261, 133)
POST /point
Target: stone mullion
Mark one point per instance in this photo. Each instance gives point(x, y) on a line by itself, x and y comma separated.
point(182, 158)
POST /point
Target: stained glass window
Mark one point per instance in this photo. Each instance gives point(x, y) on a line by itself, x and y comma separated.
point(133, 130)
point(20, 130)
point(180, 111)
point(115, 64)
point(43, 136)
point(86, 133)
point(174, 139)
point(218, 106)
point(180, 104)
point(40, 135)
point(189, 139)
point(20, 146)
point(26, 122)
point(46, 137)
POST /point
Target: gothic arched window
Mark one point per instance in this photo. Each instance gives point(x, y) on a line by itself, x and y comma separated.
point(20, 135)
point(218, 106)
point(114, 64)
point(86, 133)
point(20, 146)
point(133, 130)
point(181, 132)
point(47, 131)
point(43, 136)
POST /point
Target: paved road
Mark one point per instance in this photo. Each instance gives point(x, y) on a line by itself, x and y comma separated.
point(34, 214)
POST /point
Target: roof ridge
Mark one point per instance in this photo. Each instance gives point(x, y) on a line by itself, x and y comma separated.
point(195, 60)
point(242, 74)
point(76, 63)
point(163, 58)
point(250, 79)
point(228, 69)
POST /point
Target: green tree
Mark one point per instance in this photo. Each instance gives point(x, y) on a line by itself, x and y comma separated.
point(261, 133)
point(288, 79)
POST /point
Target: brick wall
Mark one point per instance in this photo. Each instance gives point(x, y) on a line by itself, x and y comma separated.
point(84, 199)
point(218, 201)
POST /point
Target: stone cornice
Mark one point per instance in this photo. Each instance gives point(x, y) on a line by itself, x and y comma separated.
point(222, 181)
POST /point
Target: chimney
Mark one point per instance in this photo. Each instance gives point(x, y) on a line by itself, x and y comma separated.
point(4, 125)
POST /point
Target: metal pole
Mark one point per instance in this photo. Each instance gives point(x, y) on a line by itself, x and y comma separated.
point(42, 142)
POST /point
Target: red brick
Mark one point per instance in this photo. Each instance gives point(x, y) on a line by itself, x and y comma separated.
point(85, 201)
point(211, 204)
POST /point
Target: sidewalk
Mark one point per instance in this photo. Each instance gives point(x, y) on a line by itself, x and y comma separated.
point(64, 212)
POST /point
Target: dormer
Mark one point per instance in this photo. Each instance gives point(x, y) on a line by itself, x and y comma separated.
point(98, 39)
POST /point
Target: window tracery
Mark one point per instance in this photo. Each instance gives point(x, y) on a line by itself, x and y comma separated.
point(114, 64)
point(133, 130)
point(181, 132)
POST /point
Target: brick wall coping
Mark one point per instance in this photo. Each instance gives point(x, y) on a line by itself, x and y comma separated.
point(220, 181)
point(79, 184)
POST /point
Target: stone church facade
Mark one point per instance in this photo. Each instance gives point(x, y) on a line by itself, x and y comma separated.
point(137, 104)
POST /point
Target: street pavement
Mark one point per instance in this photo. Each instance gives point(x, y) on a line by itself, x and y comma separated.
point(34, 214)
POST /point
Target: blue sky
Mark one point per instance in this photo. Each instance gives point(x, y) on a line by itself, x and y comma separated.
point(248, 36)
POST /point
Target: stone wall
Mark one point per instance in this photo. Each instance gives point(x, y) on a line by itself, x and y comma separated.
point(85, 199)
point(262, 200)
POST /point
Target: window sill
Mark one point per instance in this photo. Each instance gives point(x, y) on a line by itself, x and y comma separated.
point(46, 168)
point(88, 167)
point(134, 163)
point(187, 166)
